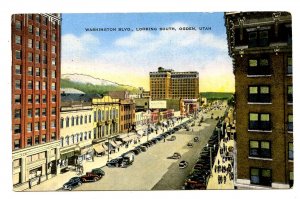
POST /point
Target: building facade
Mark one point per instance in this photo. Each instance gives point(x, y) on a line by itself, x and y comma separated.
point(76, 127)
point(36, 47)
point(167, 84)
point(260, 44)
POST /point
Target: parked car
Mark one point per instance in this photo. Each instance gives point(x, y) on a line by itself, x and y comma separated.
point(64, 170)
point(90, 177)
point(128, 159)
point(73, 182)
point(143, 148)
point(195, 182)
point(117, 162)
point(175, 156)
point(98, 171)
point(190, 144)
point(196, 139)
point(183, 164)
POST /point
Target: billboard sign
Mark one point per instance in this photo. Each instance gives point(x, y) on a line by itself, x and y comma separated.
point(158, 104)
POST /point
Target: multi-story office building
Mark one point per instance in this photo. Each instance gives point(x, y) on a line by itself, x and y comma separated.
point(167, 84)
point(36, 46)
point(76, 127)
point(260, 44)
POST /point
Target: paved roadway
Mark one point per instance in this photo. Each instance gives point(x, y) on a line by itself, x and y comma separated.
point(151, 170)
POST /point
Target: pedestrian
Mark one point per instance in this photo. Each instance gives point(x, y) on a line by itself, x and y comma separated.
point(30, 183)
point(224, 179)
point(218, 161)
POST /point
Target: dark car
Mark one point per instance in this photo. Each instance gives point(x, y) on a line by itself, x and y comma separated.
point(175, 156)
point(196, 139)
point(190, 144)
point(183, 164)
point(195, 182)
point(73, 182)
point(64, 170)
point(90, 177)
point(117, 162)
point(98, 171)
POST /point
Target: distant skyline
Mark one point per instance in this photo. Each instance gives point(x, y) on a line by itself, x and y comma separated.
point(127, 57)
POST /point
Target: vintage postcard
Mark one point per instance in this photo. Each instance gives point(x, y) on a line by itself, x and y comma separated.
point(152, 101)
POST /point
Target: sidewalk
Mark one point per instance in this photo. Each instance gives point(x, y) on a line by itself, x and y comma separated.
point(213, 180)
point(56, 182)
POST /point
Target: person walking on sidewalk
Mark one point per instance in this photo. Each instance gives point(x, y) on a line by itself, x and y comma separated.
point(224, 179)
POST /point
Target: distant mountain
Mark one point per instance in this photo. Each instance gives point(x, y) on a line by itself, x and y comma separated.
point(91, 85)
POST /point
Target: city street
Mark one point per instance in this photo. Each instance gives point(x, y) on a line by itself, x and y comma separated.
point(152, 170)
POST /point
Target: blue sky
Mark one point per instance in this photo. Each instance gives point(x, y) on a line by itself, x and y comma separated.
point(128, 57)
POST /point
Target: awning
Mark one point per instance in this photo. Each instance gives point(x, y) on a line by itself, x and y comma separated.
point(99, 148)
point(105, 147)
point(140, 133)
point(127, 139)
point(84, 151)
point(118, 143)
point(113, 144)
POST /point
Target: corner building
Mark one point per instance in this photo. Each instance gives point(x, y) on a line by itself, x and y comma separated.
point(36, 48)
point(260, 44)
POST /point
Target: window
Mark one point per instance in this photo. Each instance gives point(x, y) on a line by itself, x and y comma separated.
point(95, 116)
point(259, 94)
point(37, 31)
point(53, 124)
point(44, 33)
point(18, 39)
point(260, 176)
point(290, 122)
point(29, 85)
point(259, 121)
point(53, 111)
point(44, 98)
point(37, 85)
point(18, 54)
point(90, 118)
point(37, 45)
point(37, 99)
point(17, 113)
point(18, 25)
point(53, 98)
point(29, 56)
point(81, 136)
point(258, 38)
point(290, 94)
point(291, 179)
point(53, 136)
point(44, 85)
point(53, 61)
point(37, 112)
point(53, 74)
point(29, 44)
point(44, 72)
point(43, 125)
point(29, 141)
point(17, 99)
point(37, 19)
point(77, 120)
point(17, 128)
point(85, 135)
point(18, 84)
point(67, 140)
point(17, 144)
point(72, 121)
point(29, 71)
point(53, 49)
point(36, 126)
point(90, 134)
point(260, 149)
point(43, 138)
point(53, 37)
point(36, 139)
point(29, 113)
point(29, 99)
point(18, 69)
point(290, 65)
point(81, 119)
point(53, 86)
point(44, 47)
point(44, 60)
point(291, 151)
point(44, 112)
point(85, 119)
point(45, 21)
point(61, 123)
point(67, 122)
point(258, 66)
point(37, 59)
point(30, 29)
point(29, 127)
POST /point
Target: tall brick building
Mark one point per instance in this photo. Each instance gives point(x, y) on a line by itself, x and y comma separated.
point(260, 44)
point(36, 46)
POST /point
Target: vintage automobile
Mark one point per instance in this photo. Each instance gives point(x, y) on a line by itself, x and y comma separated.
point(190, 144)
point(183, 164)
point(115, 162)
point(90, 177)
point(98, 171)
point(73, 182)
point(176, 155)
point(196, 139)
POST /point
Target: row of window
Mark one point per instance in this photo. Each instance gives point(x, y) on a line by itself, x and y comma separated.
point(36, 99)
point(18, 71)
point(263, 94)
point(37, 112)
point(78, 120)
point(18, 40)
point(73, 139)
point(262, 121)
point(103, 130)
point(37, 140)
point(109, 114)
point(261, 66)
point(37, 31)
point(38, 19)
point(18, 55)
point(37, 126)
point(37, 85)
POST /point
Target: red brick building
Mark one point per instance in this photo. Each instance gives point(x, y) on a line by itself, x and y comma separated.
point(36, 59)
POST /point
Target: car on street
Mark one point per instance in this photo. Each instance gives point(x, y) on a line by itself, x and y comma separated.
point(72, 183)
point(117, 162)
point(64, 170)
point(183, 164)
point(172, 138)
point(90, 177)
point(176, 155)
point(196, 139)
point(98, 171)
point(190, 144)
point(143, 148)
point(195, 182)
